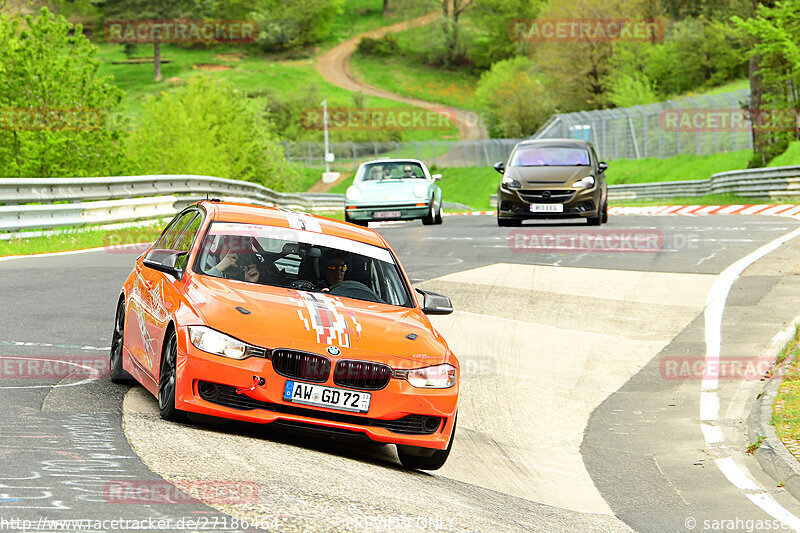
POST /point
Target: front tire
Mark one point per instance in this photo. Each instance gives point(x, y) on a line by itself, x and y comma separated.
point(432, 462)
point(168, 380)
point(430, 218)
point(605, 212)
point(508, 222)
point(118, 373)
point(438, 218)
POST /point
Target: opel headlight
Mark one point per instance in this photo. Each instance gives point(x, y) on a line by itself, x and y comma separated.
point(421, 190)
point(433, 377)
point(353, 194)
point(213, 341)
point(585, 183)
point(511, 183)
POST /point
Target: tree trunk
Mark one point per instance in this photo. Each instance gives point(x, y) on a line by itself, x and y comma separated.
point(760, 136)
point(385, 7)
point(157, 61)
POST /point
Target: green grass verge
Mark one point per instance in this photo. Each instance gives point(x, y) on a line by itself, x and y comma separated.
point(788, 158)
point(682, 167)
point(79, 239)
point(786, 407)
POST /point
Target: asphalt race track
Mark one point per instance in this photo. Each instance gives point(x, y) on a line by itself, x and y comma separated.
point(569, 417)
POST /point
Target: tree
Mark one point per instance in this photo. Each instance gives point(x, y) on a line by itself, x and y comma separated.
point(143, 10)
point(291, 24)
point(492, 20)
point(54, 107)
point(451, 12)
point(774, 74)
point(513, 99)
point(210, 129)
point(577, 70)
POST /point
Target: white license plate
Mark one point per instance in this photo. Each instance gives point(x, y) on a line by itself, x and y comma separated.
point(386, 214)
point(547, 208)
point(344, 400)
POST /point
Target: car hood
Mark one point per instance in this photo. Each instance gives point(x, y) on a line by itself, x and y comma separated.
point(391, 189)
point(313, 321)
point(532, 177)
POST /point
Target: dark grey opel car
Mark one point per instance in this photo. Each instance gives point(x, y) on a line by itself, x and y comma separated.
point(552, 179)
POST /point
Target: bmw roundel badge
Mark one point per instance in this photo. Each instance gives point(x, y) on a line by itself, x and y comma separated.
point(334, 351)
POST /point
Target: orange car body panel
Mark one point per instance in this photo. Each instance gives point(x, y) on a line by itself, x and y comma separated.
point(279, 319)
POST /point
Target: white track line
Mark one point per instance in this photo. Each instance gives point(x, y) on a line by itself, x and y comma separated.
point(709, 399)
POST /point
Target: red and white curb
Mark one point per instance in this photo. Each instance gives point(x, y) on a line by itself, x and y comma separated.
point(788, 210)
point(701, 210)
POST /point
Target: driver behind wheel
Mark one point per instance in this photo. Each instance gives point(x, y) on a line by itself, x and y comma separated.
point(334, 268)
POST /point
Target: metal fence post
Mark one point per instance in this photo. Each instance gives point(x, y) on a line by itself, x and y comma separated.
point(678, 140)
point(696, 129)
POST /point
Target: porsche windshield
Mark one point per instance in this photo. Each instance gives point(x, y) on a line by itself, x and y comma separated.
point(551, 156)
point(303, 260)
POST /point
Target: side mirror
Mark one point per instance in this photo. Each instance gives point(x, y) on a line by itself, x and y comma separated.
point(169, 262)
point(434, 303)
point(602, 166)
point(436, 177)
point(500, 167)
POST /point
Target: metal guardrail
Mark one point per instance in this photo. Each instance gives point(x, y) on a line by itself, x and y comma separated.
point(759, 183)
point(27, 204)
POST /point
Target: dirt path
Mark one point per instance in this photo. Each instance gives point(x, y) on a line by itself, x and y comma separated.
point(334, 65)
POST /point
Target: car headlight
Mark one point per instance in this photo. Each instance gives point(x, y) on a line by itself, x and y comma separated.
point(433, 377)
point(511, 183)
point(353, 194)
point(421, 190)
point(585, 183)
point(213, 341)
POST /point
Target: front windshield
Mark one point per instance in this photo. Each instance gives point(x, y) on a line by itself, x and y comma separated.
point(550, 156)
point(303, 260)
point(395, 170)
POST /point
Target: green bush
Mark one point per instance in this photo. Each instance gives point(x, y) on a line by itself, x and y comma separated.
point(207, 128)
point(383, 46)
point(54, 107)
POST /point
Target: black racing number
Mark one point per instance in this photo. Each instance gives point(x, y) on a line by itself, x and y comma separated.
point(356, 397)
point(347, 397)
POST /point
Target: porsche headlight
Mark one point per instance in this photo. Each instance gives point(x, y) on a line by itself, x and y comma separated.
point(353, 194)
point(585, 183)
point(421, 190)
point(433, 377)
point(213, 341)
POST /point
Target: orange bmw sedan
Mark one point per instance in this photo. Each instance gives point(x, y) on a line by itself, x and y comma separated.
point(268, 315)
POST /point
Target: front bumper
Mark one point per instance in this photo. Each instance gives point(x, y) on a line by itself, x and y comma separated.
point(407, 211)
point(389, 408)
point(580, 203)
